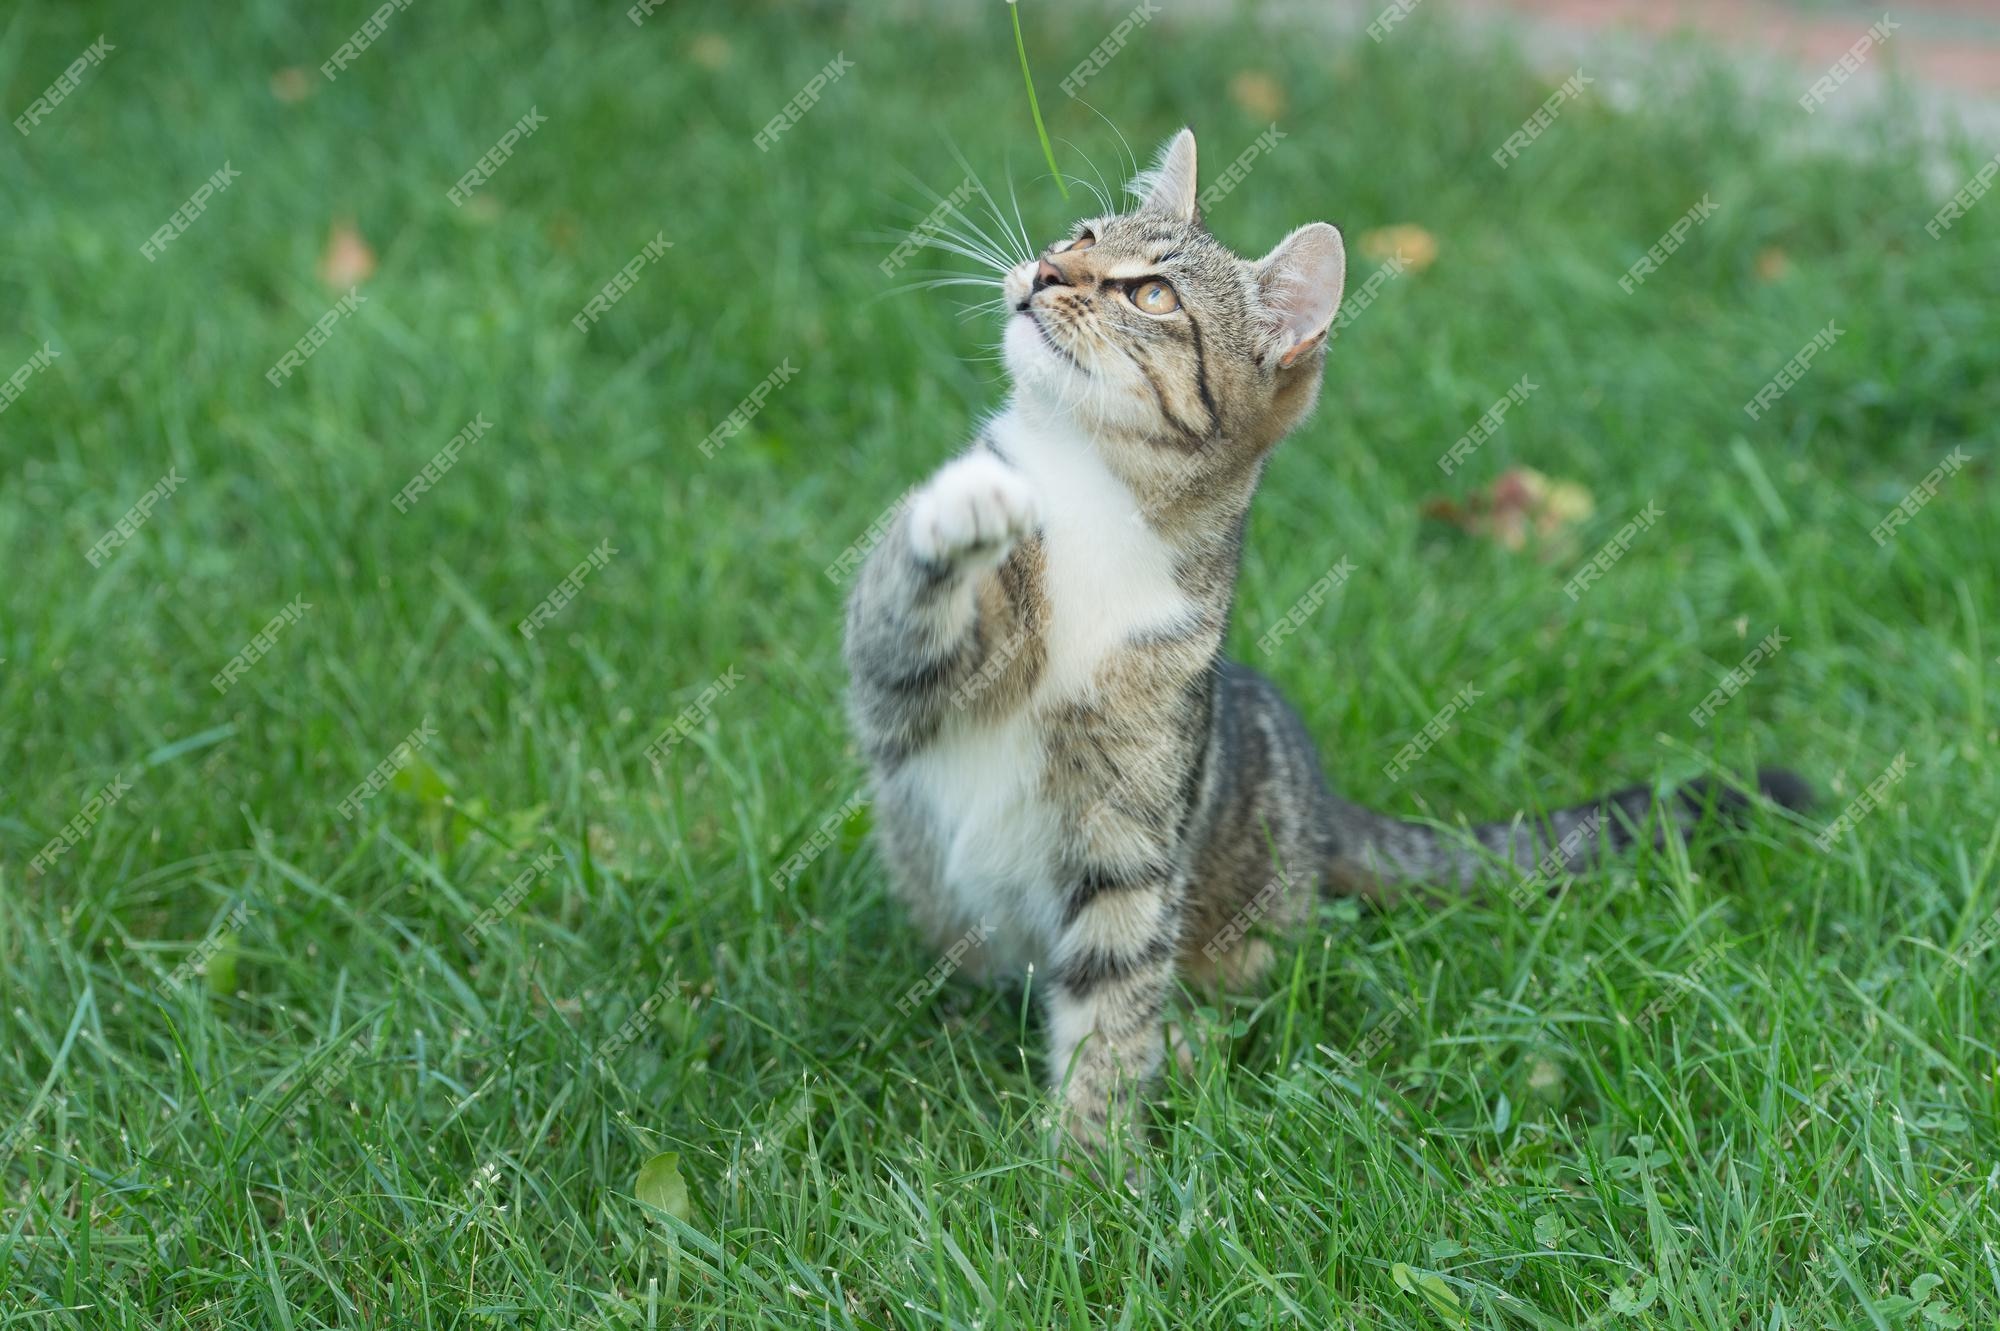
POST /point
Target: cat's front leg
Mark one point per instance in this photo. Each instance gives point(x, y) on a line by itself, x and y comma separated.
point(1112, 975)
point(929, 608)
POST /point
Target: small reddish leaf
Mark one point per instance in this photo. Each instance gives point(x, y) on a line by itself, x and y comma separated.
point(347, 260)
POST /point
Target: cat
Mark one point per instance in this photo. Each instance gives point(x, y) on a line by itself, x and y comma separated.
point(1068, 775)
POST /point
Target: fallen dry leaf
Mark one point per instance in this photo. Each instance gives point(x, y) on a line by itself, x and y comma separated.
point(1520, 503)
point(1418, 247)
point(1258, 93)
point(710, 50)
point(291, 84)
point(1772, 264)
point(347, 260)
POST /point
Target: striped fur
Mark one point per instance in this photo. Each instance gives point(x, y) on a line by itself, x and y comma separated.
point(1064, 765)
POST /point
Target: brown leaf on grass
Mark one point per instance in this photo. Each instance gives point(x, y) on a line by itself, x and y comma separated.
point(1417, 247)
point(1258, 93)
point(710, 50)
point(347, 260)
point(1772, 264)
point(1519, 505)
point(291, 84)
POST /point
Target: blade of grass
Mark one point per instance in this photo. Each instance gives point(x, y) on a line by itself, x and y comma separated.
point(1048, 153)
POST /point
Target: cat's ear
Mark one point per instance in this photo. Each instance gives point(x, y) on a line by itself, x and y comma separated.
point(1167, 189)
point(1298, 285)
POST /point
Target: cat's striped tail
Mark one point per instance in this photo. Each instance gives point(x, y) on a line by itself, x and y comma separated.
point(1377, 855)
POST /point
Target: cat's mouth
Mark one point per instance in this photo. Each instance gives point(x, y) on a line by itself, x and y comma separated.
point(1048, 336)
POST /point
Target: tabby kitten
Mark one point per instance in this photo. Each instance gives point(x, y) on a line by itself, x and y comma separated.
point(1067, 773)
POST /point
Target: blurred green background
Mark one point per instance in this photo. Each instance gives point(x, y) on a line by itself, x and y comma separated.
point(263, 1065)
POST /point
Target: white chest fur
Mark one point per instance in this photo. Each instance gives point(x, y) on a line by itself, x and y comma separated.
point(1108, 576)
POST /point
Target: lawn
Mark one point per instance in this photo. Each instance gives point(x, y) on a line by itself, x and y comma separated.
point(287, 1045)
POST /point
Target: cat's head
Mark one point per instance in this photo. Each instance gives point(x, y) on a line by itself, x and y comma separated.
point(1143, 326)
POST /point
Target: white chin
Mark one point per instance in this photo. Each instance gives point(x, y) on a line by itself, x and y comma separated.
point(1031, 362)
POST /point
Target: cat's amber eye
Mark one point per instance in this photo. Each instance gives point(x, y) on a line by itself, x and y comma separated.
point(1155, 297)
point(1082, 242)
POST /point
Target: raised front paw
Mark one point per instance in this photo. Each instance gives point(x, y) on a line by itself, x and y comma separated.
point(971, 512)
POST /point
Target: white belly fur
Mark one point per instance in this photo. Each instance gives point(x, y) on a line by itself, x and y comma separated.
point(1108, 577)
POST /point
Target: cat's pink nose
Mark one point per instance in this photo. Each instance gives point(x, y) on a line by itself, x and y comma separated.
point(1048, 275)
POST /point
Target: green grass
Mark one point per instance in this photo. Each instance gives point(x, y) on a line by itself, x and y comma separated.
point(1755, 1081)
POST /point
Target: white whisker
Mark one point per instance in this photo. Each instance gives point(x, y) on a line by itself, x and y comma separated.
point(989, 251)
point(999, 219)
point(1028, 247)
point(1123, 144)
point(1099, 188)
point(952, 244)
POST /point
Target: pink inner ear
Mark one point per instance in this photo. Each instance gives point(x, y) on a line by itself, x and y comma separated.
point(1301, 283)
